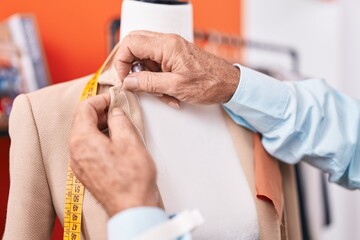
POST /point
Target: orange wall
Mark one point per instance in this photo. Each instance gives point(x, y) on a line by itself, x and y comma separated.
point(73, 32)
point(223, 16)
point(74, 40)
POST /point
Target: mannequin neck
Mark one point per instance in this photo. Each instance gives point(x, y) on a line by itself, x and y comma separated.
point(136, 15)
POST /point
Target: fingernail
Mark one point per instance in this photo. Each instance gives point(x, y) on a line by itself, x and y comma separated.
point(174, 105)
point(117, 112)
point(131, 83)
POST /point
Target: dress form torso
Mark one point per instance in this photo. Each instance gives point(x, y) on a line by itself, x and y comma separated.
point(198, 168)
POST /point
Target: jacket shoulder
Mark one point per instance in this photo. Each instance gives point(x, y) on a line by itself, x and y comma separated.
point(51, 108)
point(58, 94)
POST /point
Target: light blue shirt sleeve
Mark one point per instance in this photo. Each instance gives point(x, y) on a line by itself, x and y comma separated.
point(306, 120)
point(131, 223)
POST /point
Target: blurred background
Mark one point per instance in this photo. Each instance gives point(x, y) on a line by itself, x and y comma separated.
point(290, 39)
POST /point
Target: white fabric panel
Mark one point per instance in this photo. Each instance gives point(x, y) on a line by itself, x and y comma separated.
point(198, 168)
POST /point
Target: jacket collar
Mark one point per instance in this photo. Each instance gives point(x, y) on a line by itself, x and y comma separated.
point(108, 75)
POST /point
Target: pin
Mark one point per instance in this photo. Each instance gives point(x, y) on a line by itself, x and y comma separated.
point(137, 66)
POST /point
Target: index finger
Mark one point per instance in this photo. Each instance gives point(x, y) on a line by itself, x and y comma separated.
point(138, 45)
point(90, 113)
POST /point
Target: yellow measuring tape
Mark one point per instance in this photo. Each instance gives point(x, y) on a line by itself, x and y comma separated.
point(74, 195)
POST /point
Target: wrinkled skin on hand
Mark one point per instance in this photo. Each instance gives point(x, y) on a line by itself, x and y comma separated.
point(117, 170)
point(179, 70)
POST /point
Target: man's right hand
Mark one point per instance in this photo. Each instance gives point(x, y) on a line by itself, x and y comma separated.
point(178, 69)
point(117, 170)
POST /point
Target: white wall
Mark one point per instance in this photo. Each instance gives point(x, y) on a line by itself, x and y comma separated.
point(311, 26)
point(351, 47)
point(327, 37)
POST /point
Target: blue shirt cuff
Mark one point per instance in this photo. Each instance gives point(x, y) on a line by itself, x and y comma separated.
point(134, 221)
point(306, 120)
point(254, 104)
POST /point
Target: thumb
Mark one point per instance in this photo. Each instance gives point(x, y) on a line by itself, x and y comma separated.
point(152, 82)
point(120, 127)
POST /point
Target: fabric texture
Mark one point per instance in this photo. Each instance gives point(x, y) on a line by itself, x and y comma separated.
point(198, 167)
point(268, 177)
point(128, 102)
point(40, 127)
point(299, 121)
point(272, 226)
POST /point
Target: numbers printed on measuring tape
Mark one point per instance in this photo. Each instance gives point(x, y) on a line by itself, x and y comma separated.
point(74, 193)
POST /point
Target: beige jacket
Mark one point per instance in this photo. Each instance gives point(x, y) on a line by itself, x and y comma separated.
point(40, 126)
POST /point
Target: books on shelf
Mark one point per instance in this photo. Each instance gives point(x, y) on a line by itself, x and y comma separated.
point(23, 66)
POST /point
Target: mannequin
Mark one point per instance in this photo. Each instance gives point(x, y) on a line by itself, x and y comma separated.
point(197, 161)
point(212, 168)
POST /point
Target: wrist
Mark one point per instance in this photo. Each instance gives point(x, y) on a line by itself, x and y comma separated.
point(121, 203)
point(232, 82)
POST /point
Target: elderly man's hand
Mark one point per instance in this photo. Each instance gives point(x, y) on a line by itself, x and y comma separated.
point(117, 170)
point(178, 69)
